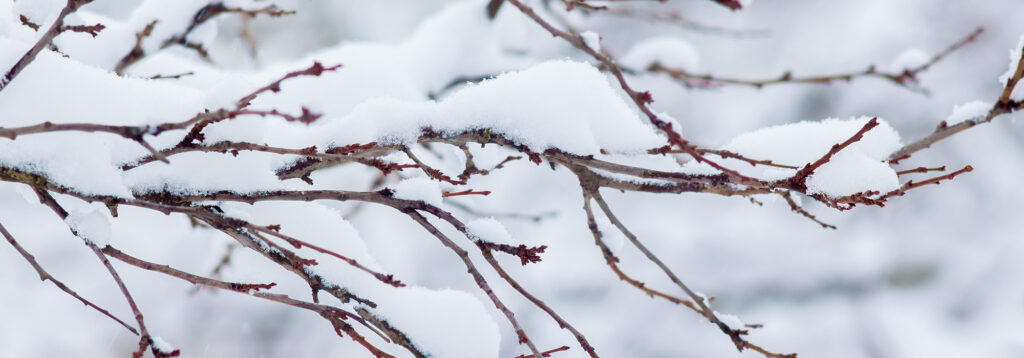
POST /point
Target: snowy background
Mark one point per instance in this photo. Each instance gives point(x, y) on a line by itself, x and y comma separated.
point(934, 273)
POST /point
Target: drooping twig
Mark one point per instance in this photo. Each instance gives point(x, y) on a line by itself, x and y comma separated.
point(334, 315)
point(45, 276)
point(145, 339)
point(211, 11)
point(799, 210)
point(640, 99)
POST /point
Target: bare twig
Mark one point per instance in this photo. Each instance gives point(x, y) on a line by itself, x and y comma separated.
point(56, 29)
point(45, 276)
point(906, 77)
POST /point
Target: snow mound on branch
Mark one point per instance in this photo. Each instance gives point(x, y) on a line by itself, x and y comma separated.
point(489, 229)
point(1015, 54)
point(430, 317)
point(670, 52)
point(90, 225)
point(963, 112)
point(420, 188)
point(558, 104)
point(859, 167)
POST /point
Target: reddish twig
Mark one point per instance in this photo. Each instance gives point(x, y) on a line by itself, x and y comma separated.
point(546, 353)
point(799, 210)
point(56, 29)
point(906, 77)
point(45, 276)
point(315, 71)
point(274, 230)
point(801, 175)
point(449, 194)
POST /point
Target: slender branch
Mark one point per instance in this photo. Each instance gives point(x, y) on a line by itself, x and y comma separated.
point(56, 29)
point(799, 210)
point(45, 276)
point(801, 175)
point(145, 340)
point(333, 314)
point(641, 99)
point(906, 77)
point(1004, 105)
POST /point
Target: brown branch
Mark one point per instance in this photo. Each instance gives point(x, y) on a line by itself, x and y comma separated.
point(799, 210)
point(640, 99)
point(920, 170)
point(397, 337)
point(477, 276)
point(274, 230)
point(675, 18)
point(133, 133)
point(145, 340)
point(136, 53)
point(906, 77)
point(448, 194)
point(93, 30)
point(935, 180)
point(801, 175)
point(315, 71)
point(172, 77)
point(546, 353)
point(211, 11)
point(25, 21)
point(492, 8)
point(734, 334)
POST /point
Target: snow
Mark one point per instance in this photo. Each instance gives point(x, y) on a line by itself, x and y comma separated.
point(92, 226)
point(592, 40)
point(1015, 54)
point(764, 263)
point(670, 52)
point(161, 345)
point(490, 229)
point(730, 320)
point(908, 59)
point(419, 188)
point(859, 167)
point(969, 110)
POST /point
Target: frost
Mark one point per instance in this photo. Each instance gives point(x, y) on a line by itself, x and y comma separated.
point(490, 229)
point(90, 225)
point(592, 40)
point(909, 58)
point(671, 52)
point(969, 110)
point(420, 188)
point(1015, 55)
